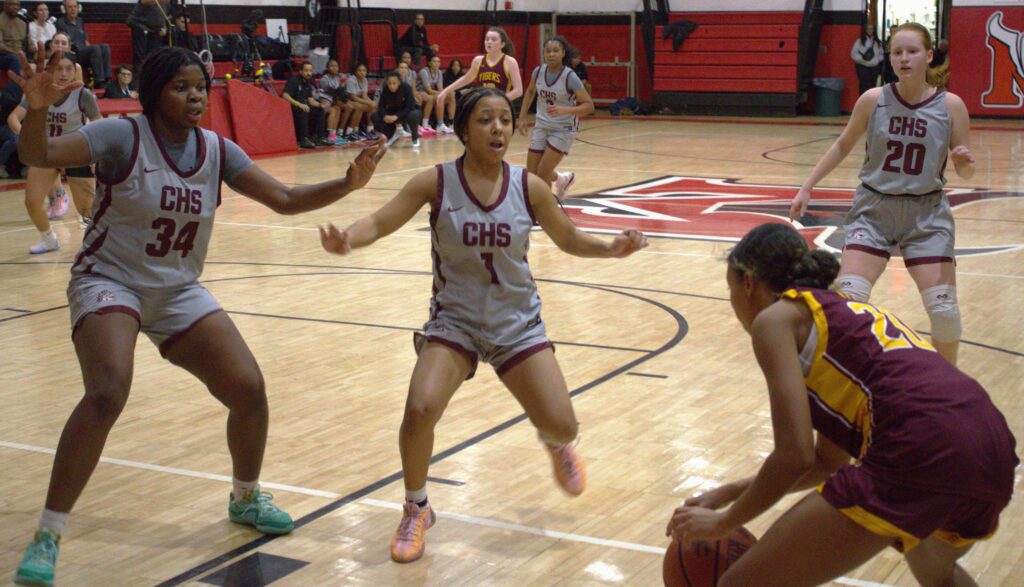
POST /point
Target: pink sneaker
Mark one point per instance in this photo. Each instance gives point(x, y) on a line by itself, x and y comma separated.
point(410, 539)
point(563, 183)
point(569, 470)
point(58, 205)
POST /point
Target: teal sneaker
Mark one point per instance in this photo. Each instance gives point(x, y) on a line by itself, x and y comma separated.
point(259, 512)
point(37, 566)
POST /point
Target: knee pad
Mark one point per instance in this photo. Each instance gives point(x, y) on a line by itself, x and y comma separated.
point(854, 286)
point(943, 311)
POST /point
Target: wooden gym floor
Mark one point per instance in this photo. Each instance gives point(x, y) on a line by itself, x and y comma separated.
point(666, 388)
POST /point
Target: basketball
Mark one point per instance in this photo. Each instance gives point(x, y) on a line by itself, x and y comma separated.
point(701, 564)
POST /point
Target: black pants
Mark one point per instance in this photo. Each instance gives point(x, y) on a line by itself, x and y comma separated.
point(310, 125)
point(143, 43)
point(97, 57)
point(413, 119)
point(867, 76)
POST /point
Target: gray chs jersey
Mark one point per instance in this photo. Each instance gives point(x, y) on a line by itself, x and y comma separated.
point(907, 145)
point(559, 90)
point(482, 281)
point(151, 226)
point(66, 117)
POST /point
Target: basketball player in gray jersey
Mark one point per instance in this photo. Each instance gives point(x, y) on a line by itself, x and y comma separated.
point(64, 117)
point(562, 99)
point(160, 178)
point(485, 303)
point(912, 128)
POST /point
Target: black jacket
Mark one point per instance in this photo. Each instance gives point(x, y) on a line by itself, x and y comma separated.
point(398, 103)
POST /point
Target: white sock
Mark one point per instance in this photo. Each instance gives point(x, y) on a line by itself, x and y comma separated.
point(418, 496)
point(242, 488)
point(52, 520)
point(350, 130)
point(48, 235)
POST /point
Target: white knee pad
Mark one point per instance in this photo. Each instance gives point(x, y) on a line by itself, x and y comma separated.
point(940, 303)
point(854, 286)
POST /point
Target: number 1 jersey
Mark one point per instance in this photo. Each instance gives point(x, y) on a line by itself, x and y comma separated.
point(151, 226)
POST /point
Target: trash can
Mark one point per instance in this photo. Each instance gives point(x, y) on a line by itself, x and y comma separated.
point(826, 97)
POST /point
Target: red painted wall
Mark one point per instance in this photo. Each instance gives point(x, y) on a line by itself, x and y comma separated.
point(834, 61)
point(981, 70)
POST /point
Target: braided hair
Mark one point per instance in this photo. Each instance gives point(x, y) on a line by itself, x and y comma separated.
point(776, 254)
point(159, 68)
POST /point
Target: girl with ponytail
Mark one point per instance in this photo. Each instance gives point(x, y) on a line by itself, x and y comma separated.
point(934, 458)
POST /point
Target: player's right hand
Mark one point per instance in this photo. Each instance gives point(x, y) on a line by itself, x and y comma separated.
point(40, 87)
point(799, 206)
point(334, 240)
point(715, 498)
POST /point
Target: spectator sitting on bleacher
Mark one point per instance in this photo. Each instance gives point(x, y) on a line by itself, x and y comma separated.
point(148, 22)
point(10, 97)
point(40, 30)
point(121, 88)
point(363, 106)
point(397, 106)
point(95, 57)
point(429, 85)
point(307, 112)
point(581, 72)
point(13, 36)
point(452, 73)
point(334, 98)
point(414, 40)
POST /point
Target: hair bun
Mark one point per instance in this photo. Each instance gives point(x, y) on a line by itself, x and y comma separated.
point(817, 269)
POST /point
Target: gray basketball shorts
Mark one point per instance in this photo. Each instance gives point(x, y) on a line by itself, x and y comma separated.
point(464, 340)
point(922, 226)
point(164, 315)
point(546, 138)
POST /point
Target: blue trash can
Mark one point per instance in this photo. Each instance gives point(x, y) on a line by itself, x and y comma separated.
point(828, 92)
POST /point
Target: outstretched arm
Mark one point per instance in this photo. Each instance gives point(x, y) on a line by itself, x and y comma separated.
point(420, 190)
point(854, 130)
point(463, 81)
point(571, 239)
point(262, 187)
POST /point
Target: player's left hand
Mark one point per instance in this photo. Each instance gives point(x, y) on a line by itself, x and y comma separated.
point(694, 523)
point(361, 170)
point(628, 242)
point(334, 240)
point(961, 155)
point(554, 110)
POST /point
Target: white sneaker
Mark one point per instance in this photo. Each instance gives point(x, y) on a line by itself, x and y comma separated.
point(445, 129)
point(85, 222)
point(416, 144)
point(393, 139)
point(403, 133)
point(563, 183)
point(47, 243)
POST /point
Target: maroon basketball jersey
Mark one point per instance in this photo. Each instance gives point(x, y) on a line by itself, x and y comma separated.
point(881, 392)
point(493, 76)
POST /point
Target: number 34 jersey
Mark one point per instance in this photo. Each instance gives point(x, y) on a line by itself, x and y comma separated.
point(151, 226)
point(482, 281)
point(907, 144)
point(882, 393)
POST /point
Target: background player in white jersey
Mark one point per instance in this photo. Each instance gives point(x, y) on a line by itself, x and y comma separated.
point(562, 100)
point(160, 177)
point(485, 304)
point(912, 128)
point(64, 117)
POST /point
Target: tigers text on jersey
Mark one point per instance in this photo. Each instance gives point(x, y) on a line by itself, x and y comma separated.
point(493, 76)
point(907, 145)
point(151, 227)
point(482, 281)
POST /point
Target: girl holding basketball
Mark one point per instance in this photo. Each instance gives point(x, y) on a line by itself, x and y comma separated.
point(562, 101)
point(912, 129)
point(485, 303)
point(495, 69)
point(935, 458)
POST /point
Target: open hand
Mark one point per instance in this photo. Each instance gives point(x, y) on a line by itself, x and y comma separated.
point(40, 87)
point(628, 242)
point(695, 523)
point(334, 240)
point(361, 170)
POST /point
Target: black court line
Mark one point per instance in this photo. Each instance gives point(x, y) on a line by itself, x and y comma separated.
point(445, 481)
point(647, 375)
point(17, 310)
point(35, 313)
point(682, 329)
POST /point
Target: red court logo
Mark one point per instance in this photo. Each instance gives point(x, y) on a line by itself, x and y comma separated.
point(723, 210)
point(1006, 85)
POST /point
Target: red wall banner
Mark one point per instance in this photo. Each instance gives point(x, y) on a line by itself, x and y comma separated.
point(986, 53)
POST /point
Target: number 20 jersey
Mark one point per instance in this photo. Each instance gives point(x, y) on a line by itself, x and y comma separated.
point(907, 144)
point(151, 226)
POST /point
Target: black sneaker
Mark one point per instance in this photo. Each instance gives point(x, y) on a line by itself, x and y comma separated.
point(305, 143)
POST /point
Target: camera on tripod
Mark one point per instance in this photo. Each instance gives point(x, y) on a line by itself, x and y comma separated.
point(247, 54)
